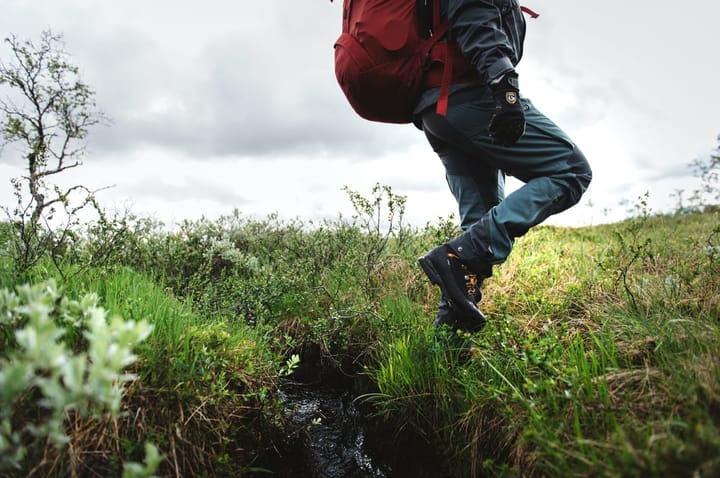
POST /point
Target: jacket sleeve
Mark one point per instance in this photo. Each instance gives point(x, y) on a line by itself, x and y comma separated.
point(489, 32)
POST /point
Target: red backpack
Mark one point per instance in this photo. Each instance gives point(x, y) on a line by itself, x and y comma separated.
point(385, 59)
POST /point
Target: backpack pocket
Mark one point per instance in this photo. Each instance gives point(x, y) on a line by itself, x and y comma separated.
point(383, 86)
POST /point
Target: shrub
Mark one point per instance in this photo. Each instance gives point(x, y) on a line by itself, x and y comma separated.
point(60, 357)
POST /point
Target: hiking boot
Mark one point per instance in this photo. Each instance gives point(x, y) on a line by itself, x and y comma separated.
point(459, 284)
point(447, 316)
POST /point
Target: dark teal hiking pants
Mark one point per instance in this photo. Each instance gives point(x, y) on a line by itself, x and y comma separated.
point(554, 171)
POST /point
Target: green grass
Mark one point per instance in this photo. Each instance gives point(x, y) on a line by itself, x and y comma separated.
point(202, 383)
point(599, 357)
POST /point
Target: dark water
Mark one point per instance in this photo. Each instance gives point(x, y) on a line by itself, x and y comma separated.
point(331, 439)
point(335, 439)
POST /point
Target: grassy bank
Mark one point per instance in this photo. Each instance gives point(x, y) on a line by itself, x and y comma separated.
point(202, 388)
point(599, 357)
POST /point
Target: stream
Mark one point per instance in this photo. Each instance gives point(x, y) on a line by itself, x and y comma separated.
point(332, 442)
point(335, 439)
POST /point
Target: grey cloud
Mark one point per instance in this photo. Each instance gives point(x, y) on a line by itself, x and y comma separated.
point(265, 88)
point(409, 184)
point(194, 189)
point(245, 104)
point(653, 170)
point(241, 96)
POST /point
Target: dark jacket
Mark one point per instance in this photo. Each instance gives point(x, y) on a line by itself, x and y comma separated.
point(490, 34)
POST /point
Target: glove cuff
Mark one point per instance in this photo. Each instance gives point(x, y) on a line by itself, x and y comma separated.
point(506, 89)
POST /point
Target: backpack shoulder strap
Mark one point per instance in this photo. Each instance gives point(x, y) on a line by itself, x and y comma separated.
point(440, 29)
point(442, 54)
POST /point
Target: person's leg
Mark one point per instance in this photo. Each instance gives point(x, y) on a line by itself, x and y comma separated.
point(477, 188)
point(553, 169)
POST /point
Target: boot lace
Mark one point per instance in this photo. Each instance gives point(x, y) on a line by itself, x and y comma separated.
point(470, 277)
point(470, 283)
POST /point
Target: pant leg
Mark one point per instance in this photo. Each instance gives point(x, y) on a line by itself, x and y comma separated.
point(476, 186)
point(554, 170)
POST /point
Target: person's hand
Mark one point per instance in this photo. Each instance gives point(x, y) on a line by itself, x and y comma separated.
point(508, 123)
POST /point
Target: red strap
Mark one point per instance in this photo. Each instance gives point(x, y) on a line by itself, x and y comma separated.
point(530, 12)
point(439, 31)
point(444, 57)
point(442, 102)
point(436, 16)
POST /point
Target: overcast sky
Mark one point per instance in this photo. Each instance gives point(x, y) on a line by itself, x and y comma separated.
point(220, 104)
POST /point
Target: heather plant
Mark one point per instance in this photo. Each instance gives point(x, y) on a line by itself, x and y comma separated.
point(380, 217)
point(633, 247)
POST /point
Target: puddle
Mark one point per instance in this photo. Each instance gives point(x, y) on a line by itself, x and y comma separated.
point(331, 441)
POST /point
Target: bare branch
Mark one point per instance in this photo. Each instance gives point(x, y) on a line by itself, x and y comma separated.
point(47, 110)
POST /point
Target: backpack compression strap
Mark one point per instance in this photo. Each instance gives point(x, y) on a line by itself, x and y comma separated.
point(530, 12)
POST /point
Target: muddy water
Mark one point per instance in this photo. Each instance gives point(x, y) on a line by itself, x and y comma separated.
point(335, 439)
point(331, 440)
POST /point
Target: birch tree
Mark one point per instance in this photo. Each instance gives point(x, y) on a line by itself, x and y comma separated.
point(46, 110)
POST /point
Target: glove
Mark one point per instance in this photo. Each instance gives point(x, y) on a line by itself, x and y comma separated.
point(508, 123)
